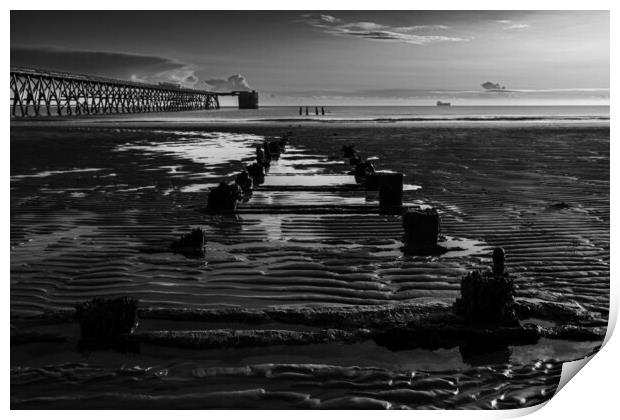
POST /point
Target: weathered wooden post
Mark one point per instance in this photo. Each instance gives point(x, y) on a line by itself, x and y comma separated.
point(103, 322)
point(224, 198)
point(260, 154)
point(191, 244)
point(267, 152)
point(373, 180)
point(257, 172)
point(363, 169)
point(488, 296)
point(244, 181)
point(274, 149)
point(421, 229)
point(390, 189)
point(499, 260)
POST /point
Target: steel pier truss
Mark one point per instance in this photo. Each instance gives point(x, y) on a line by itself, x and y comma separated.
point(36, 93)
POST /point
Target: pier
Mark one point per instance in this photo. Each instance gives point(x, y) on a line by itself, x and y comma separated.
point(40, 93)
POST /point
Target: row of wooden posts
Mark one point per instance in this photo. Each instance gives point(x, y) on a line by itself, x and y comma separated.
point(487, 296)
point(227, 196)
point(107, 323)
point(421, 226)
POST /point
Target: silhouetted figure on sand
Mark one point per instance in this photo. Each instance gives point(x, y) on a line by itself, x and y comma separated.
point(316, 110)
point(322, 111)
point(300, 112)
point(306, 110)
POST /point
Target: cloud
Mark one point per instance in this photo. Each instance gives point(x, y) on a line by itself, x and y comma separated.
point(116, 65)
point(517, 26)
point(329, 19)
point(123, 66)
point(421, 27)
point(417, 35)
point(508, 25)
point(234, 82)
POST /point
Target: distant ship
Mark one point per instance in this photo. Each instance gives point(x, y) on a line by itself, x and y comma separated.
point(492, 86)
point(439, 103)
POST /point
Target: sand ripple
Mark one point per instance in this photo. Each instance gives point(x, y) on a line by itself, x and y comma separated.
point(76, 235)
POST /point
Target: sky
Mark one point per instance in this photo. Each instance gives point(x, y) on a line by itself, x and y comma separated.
point(347, 57)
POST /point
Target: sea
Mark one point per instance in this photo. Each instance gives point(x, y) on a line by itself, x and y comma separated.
point(542, 114)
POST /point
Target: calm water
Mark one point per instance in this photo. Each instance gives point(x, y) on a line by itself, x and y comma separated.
point(383, 114)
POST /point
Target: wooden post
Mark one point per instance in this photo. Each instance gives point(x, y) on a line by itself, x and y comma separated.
point(421, 229)
point(488, 296)
point(390, 189)
point(499, 261)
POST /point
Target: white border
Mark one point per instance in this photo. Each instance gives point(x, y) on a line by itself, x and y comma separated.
point(593, 394)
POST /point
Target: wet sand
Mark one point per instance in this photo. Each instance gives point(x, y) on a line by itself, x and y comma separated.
point(94, 209)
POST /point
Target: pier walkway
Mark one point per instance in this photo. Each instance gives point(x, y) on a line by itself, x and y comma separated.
point(41, 93)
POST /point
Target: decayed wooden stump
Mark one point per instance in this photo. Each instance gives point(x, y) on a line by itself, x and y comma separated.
point(191, 244)
point(390, 189)
point(224, 198)
point(421, 229)
point(488, 296)
point(104, 321)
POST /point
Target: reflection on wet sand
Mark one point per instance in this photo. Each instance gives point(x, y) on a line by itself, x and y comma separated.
point(113, 239)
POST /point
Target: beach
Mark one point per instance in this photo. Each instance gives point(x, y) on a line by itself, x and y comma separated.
point(95, 206)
